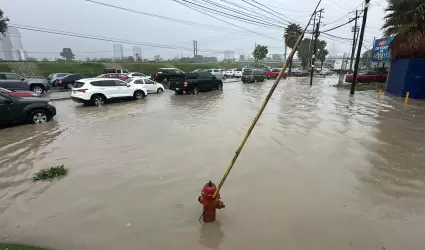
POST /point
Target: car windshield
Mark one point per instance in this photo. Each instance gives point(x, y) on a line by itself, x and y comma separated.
point(78, 85)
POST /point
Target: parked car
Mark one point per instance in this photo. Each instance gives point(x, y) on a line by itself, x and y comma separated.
point(230, 73)
point(238, 73)
point(223, 73)
point(18, 93)
point(15, 110)
point(12, 81)
point(97, 91)
point(299, 72)
point(164, 75)
point(368, 77)
point(116, 71)
point(53, 77)
point(68, 81)
point(273, 73)
point(137, 75)
point(216, 72)
point(252, 75)
point(151, 86)
point(122, 77)
point(196, 82)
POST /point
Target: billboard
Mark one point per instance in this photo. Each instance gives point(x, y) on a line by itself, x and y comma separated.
point(381, 51)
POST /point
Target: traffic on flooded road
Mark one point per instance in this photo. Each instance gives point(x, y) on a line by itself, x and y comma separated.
point(343, 172)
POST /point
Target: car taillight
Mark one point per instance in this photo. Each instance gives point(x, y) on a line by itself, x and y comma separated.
point(82, 90)
point(185, 84)
point(156, 76)
point(59, 81)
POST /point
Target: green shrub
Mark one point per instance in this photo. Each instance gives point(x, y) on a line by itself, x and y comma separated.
point(51, 173)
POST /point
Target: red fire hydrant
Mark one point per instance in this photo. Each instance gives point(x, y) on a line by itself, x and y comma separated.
point(210, 203)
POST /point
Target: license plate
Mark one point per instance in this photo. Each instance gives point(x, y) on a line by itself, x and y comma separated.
point(177, 89)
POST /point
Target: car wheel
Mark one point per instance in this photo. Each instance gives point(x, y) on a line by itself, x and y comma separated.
point(37, 89)
point(39, 116)
point(160, 90)
point(220, 86)
point(165, 80)
point(139, 95)
point(195, 90)
point(98, 100)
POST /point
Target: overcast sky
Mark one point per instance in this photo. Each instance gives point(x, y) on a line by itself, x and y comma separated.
point(80, 16)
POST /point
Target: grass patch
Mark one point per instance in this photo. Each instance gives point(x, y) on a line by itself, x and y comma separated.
point(19, 247)
point(50, 173)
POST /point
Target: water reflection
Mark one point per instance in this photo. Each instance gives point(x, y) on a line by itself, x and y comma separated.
point(211, 235)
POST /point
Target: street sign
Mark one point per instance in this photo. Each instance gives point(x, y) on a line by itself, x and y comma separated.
point(381, 52)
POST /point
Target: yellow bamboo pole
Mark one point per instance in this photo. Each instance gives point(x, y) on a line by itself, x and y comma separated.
point(263, 106)
point(379, 94)
point(406, 98)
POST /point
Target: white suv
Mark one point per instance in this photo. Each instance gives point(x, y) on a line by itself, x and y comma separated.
point(216, 72)
point(151, 86)
point(98, 90)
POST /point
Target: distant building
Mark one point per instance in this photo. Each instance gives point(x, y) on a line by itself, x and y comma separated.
point(277, 57)
point(241, 58)
point(118, 51)
point(137, 52)
point(229, 55)
point(11, 47)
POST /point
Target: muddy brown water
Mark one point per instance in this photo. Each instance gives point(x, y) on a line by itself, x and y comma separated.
point(321, 170)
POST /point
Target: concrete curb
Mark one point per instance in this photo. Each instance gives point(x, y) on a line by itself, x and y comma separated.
point(60, 98)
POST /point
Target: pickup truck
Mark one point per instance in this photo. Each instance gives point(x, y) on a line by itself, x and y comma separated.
point(273, 73)
point(196, 82)
point(12, 81)
point(164, 75)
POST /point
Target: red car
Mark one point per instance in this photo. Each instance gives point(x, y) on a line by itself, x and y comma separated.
point(274, 73)
point(368, 77)
point(18, 93)
point(122, 77)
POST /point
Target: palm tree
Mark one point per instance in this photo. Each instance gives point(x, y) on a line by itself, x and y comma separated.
point(3, 23)
point(405, 20)
point(292, 32)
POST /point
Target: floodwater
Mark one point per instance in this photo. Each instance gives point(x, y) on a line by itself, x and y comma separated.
point(321, 170)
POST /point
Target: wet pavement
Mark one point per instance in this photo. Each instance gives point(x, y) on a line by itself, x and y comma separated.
point(321, 170)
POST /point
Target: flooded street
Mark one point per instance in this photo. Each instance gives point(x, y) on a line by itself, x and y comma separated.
point(321, 170)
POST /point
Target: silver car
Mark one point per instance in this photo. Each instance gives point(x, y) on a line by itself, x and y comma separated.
point(12, 81)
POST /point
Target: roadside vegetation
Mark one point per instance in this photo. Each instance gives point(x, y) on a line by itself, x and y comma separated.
point(51, 173)
point(19, 247)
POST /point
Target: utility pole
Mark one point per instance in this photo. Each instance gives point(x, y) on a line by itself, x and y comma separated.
point(354, 30)
point(194, 50)
point(312, 37)
point(196, 46)
point(359, 48)
point(313, 61)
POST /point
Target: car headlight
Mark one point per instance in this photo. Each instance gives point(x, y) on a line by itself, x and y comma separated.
point(50, 103)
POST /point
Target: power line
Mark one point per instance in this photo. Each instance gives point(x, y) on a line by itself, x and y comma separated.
point(336, 27)
point(162, 17)
point(107, 39)
point(254, 21)
point(267, 10)
point(225, 21)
